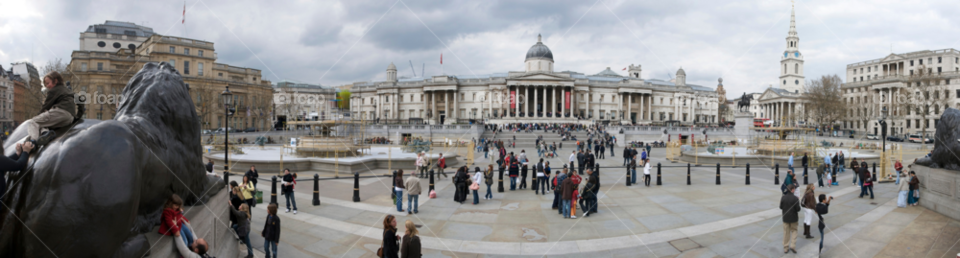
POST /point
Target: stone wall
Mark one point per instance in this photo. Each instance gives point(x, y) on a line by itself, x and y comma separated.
point(939, 190)
point(210, 222)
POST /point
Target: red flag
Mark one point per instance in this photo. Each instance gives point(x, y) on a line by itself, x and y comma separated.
point(624, 68)
point(184, 12)
point(441, 58)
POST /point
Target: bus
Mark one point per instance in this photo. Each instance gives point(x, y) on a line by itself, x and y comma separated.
point(762, 122)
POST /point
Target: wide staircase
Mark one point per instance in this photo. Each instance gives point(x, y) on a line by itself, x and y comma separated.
point(528, 140)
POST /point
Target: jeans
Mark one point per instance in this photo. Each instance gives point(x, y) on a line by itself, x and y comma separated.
point(840, 167)
point(484, 154)
point(413, 202)
point(542, 182)
point(186, 234)
point(633, 176)
point(864, 189)
point(267, 244)
point(246, 241)
point(910, 198)
point(513, 183)
point(291, 199)
point(821, 241)
point(565, 210)
point(556, 200)
point(625, 161)
point(399, 199)
point(489, 193)
point(476, 197)
point(646, 179)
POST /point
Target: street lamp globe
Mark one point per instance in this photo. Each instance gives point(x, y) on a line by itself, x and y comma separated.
point(227, 96)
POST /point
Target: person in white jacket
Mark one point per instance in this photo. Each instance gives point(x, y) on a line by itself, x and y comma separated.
point(421, 165)
point(477, 180)
point(646, 172)
point(573, 158)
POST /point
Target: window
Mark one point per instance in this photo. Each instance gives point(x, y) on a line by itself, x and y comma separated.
point(796, 68)
point(220, 74)
point(911, 62)
point(920, 61)
point(200, 69)
point(186, 67)
point(861, 69)
point(908, 123)
point(939, 69)
point(854, 71)
point(868, 69)
point(83, 67)
point(939, 59)
point(958, 94)
point(948, 81)
point(99, 66)
point(911, 72)
point(173, 50)
point(199, 52)
point(186, 51)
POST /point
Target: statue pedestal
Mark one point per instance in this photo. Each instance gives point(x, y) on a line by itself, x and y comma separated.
point(744, 121)
point(939, 190)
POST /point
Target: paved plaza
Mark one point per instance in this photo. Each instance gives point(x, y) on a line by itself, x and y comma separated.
point(671, 220)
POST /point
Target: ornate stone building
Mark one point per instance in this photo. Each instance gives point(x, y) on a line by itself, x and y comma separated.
point(537, 94)
point(784, 104)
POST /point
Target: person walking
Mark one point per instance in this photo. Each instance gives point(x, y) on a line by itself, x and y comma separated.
point(589, 194)
point(790, 162)
point(412, 184)
point(790, 207)
point(646, 172)
point(514, 173)
point(804, 160)
point(538, 177)
point(390, 247)
point(903, 190)
point(523, 175)
point(488, 180)
point(289, 181)
point(271, 231)
point(486, 150)
point(626, 156)
point(856, 168)
point(410, 245)
point(573, 158)
point(421, 165)
point(398, 189)
point(581, 161)
point(822, 209)
point(914, 196)
point(820, 170)
point(567, 187)
point(867, 182)
point(809, 208)
point(441, 164)
point(475, 185)
point(632, 166)
point(253, 175)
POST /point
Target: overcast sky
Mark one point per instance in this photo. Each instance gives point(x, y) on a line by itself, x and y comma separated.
point(338, 42)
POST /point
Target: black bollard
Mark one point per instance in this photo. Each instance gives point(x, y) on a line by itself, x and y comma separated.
point(776, 174)
point(748, 173)
point(718, 173)
point(226, 177)
point(273, 189)
point(688, 173)
point(659, 182)
point(874, 172)
point(431, 182)
point(393, 194)
point(356, 187)
point(805, 175)
point(628, 176)
point(596, 169)
point(316, 190)
point(500, 183)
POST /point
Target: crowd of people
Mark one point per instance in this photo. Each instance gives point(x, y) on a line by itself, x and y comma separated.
point(377, 140)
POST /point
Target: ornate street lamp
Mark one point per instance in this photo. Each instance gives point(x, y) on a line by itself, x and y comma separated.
point(227, 98)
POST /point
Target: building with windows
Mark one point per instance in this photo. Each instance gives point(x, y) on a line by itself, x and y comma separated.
point(536, 95)
point(104, 74)
point(304, 102)
point(784, 104)
point(113, 35)
point(895, 82)
point(26, 91)
point(6, 101)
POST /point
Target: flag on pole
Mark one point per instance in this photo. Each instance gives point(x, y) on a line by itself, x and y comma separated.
point(624, 68)
point(184, 19)
point(441, 58)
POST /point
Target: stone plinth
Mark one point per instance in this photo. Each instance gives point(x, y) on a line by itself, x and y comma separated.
point(939, 190)
point(210, 222)
point(743, 123)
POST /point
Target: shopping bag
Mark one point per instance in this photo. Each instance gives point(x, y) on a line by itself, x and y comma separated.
point(259, 196)
point(433, 194)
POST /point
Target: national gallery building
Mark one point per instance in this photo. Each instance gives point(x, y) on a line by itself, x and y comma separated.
point(536, 95)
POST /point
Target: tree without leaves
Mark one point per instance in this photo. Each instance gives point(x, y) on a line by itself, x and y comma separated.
point(926, 97)
point(823, 101)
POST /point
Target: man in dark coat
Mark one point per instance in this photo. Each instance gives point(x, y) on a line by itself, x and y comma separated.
point(581, 161)
point(252, 175)
point(790, 206)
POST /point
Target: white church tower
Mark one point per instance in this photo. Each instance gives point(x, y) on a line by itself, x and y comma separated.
point(791, 64)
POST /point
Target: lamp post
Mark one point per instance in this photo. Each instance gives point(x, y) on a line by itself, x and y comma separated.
point(227, 99)
point(883, 134)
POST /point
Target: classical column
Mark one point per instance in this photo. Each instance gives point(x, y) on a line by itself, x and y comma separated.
point(641, 110)
point(563, 101)
point(629, 107)
point(535, 102)
point(589, 97)
point(516, 101)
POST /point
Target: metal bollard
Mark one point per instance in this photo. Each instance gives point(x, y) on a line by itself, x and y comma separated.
point(393, 193)
point(628, 176)
point(356, 187)
point(659, 182)
point(431, 182)
point(226, 177)
point(805, 181)
point(874, 172)
point(316, 190)
point(273, 189)
point(718, 173)
point(748, 173)
point(596, 170)
point(776, 174)
point(500, 183)
point(688, 173)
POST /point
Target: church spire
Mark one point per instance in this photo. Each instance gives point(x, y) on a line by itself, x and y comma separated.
point(793, 22)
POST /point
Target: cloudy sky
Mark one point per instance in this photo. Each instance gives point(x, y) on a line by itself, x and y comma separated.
point(338, 42)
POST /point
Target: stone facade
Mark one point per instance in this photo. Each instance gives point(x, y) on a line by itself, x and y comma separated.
point(784, 104)
point(537, 94)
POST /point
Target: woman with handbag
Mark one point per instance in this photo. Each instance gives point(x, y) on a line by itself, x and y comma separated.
point(914, 195)
point(390, 247)
point(475, 185)
point(248, 191)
